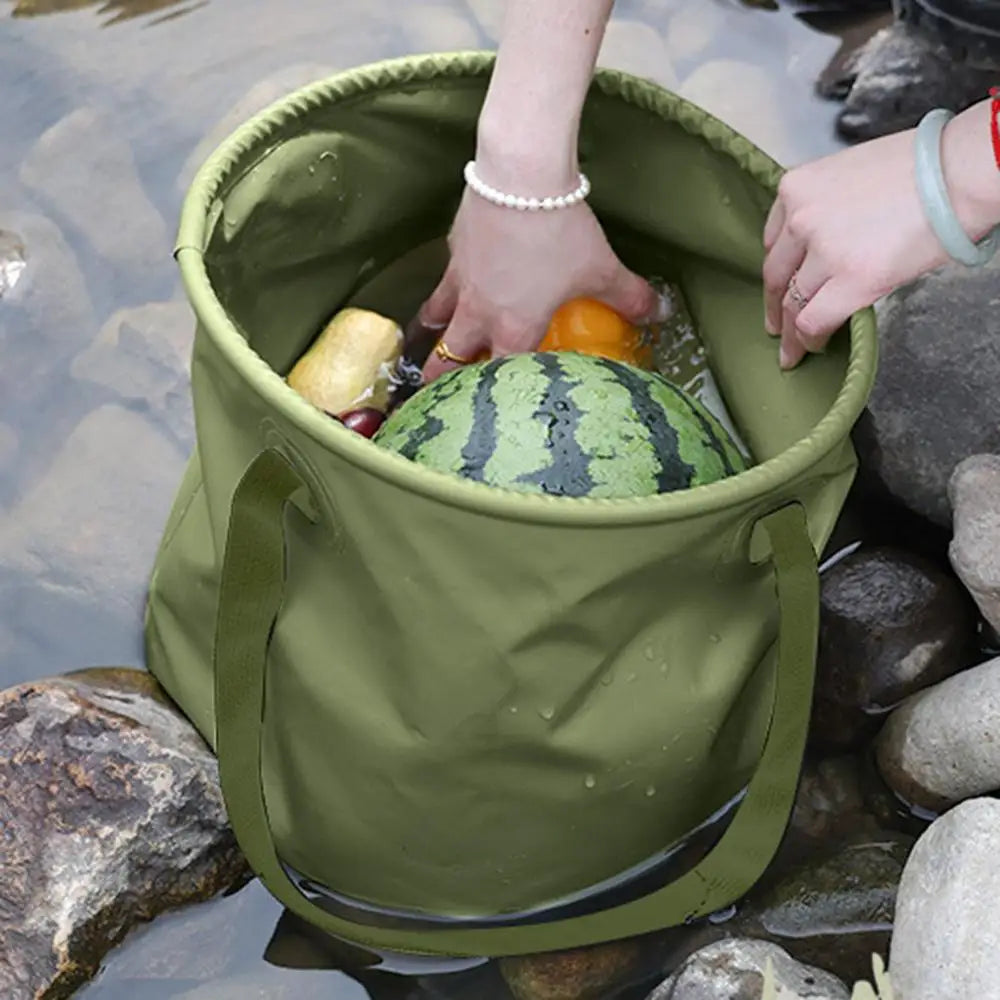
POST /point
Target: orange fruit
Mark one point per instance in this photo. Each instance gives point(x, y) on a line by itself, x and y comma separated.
point(590, 327)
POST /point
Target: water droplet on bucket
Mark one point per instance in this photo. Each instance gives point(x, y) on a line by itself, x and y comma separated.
point(312, 169)
point(513, 710)
point(590, 781)
point(630, 678)
point(715, 637)
point(607, 679)
point(650, 791)
point(664, 668)
point(547, 713)
point(650, 653)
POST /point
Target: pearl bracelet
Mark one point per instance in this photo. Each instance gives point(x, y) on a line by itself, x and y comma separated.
point(525, 204)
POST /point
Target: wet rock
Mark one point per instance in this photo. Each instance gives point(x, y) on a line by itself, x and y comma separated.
point(261, 95)
point(142, 355)
point(900, 76)
point(692, 29)
point(974, 493)
point(112, 813)
point(750, 108)
point(489, 15)
point(194, 944)
point(8, 445)
point(830, 803)
point(637, 48)
point(78, 545)
point(734, 970)
point(946, 942)
point(49, 301)
point(932, 403)
point(437, 28)
point(583, 974)
point(267, 983)
point(85, 171)
point(834, 912)
point(12, 261)
point(890, 625)
point(943, 745)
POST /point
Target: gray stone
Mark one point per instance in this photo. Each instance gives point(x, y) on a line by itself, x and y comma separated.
point(49, 303)
point(734, 970)
point(12, 261)
point(900, 76)
point(834, 911)
point(8, 445)
point(693, 27)
point(84, 170)
point(637, 48)
point(489, 15)
point(932, 403)
point(891, 624)
point(974, 493)
point(943, 745)
point(111, 812)
point(946, 942)
point(752, 107)
point(269, 983)
point(433, 27)
point(90, 527)
point(260, 96)
point(143, 356)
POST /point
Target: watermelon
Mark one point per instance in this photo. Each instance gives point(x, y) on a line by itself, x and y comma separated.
point(564, 424)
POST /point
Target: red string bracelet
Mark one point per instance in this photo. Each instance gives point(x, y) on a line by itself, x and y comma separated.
point(995, 123)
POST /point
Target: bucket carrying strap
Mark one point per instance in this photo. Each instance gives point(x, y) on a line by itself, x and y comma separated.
point(249, 602)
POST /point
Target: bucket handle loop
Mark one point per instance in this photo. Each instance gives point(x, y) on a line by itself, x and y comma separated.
point(249, 601)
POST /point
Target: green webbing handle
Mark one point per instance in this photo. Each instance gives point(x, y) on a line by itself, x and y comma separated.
point(249, 601)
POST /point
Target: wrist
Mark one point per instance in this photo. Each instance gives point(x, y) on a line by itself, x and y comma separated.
point(971, 172)
point(531, 157)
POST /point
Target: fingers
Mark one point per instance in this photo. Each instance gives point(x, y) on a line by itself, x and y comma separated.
point(465, 338)
point(635, 299)
point(802, 286)
point(437, 311)
point(827, 311)
point(775, 223)
point(783, 260)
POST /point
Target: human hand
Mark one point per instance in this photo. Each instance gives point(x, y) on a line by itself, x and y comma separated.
point(511, 270)
point(847, 229)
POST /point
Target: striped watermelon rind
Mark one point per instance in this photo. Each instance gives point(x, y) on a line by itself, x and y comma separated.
point(563, 424)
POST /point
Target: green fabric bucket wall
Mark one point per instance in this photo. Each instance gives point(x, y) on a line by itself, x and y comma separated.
point(477, 702)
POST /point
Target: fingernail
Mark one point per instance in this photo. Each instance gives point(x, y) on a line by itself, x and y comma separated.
point(784, 358)
point(433, 326)
point(769, 327)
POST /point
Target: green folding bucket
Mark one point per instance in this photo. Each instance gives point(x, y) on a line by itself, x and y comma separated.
point(443, 711)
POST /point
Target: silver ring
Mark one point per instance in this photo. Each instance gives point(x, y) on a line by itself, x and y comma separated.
point(795, 294)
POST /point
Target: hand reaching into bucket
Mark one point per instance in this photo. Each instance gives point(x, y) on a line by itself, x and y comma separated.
point(847, 229)
point(510, 269)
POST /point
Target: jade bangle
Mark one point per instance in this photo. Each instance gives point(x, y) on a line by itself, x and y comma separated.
point(934, 195)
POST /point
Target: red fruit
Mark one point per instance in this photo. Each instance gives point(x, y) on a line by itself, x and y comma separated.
point(365, 421)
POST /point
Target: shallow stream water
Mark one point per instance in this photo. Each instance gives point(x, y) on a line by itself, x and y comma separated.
point(104, 113)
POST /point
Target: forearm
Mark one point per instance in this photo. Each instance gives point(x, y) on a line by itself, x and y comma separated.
point(971, 171)
point(530, 121)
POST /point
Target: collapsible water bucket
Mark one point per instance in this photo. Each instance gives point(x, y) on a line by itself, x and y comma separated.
point(449, 717)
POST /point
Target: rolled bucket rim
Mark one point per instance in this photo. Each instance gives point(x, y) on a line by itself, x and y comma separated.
point(762, 482)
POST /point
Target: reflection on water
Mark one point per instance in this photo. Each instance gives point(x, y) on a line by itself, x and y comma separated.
point(112, 11)
point(101, 132)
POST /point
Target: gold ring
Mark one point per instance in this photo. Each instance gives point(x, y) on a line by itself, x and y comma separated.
point(795, 294)
point(441, 350)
